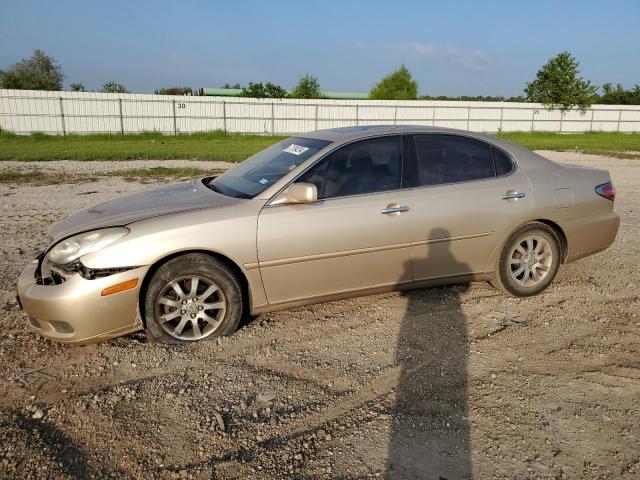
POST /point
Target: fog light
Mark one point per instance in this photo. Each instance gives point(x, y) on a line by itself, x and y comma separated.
point(61, 327)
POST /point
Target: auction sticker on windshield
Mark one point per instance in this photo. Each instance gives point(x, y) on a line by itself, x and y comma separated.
point(296, 149)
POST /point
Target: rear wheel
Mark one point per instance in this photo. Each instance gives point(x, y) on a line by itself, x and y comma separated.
point(192, 297)
point(529, 261)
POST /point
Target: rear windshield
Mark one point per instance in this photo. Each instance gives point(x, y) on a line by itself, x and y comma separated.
point(259, 172)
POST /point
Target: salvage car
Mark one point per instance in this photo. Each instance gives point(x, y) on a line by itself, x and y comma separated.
point(322, 216)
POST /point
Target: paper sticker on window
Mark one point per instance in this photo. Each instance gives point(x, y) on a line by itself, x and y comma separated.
point(296, 149)
point(263, 181)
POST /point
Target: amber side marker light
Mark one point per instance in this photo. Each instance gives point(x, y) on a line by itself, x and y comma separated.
point(120, 287)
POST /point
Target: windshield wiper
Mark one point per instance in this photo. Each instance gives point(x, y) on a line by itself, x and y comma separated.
point(226, 191)
point(208, 182)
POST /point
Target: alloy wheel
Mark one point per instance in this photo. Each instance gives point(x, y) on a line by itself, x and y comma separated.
point(191, 307)
point(530, 260)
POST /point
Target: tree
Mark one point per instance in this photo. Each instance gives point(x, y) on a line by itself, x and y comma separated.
point(619, 96)
point(268, 90)
point(557, 84)
point(77, 87)
point(113, 87)
point(476, 98)
point(307, 87)
point(38, 72)
point(235, 86)
point(635, 95)
point(174, 91)
point(467, 98)
point(398, 85)
point(274, 91)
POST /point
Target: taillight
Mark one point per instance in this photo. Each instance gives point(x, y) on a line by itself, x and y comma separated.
point(607, 191)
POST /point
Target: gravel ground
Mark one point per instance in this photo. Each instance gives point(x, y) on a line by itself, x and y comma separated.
point(100, 166)
point(444, 383)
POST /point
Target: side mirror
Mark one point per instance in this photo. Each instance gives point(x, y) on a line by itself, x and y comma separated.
point(302, 193)
point(297, 193)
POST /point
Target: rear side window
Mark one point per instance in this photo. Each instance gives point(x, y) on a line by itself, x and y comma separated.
point(442, 159)
point(367, 166)
point(503, 162)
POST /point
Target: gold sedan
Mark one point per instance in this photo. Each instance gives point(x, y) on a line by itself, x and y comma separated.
point(326, 215)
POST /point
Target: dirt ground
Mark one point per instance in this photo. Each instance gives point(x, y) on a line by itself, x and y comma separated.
point(444, 383)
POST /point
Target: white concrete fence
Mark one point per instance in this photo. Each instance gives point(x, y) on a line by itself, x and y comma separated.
point(26, 111)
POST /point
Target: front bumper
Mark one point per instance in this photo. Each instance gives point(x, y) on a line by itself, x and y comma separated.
point(75, 312)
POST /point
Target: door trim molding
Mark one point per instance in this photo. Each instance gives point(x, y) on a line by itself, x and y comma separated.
point(359, 251)
point(451, 239)
point(325, 256)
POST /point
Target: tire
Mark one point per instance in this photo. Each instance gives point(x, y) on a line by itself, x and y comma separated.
point(174, 314)
point(529, 261)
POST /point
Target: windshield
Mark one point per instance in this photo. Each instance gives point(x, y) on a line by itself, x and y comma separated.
point(259, 172)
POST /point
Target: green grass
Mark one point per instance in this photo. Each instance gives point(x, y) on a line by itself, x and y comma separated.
point(237, 147)
point(18, 176)
point(605, 143)
point(153, 146)
point(37, 177)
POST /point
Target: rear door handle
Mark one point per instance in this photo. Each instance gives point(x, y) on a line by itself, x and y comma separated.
point(394, 208)
point(513, 195)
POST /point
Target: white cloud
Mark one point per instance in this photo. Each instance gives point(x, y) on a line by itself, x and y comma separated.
point(472, 60)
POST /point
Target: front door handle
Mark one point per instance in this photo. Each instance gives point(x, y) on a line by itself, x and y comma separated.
point(394, 208)
point(512, 195)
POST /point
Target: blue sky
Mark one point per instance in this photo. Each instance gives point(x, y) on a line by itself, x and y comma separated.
point(452, 48)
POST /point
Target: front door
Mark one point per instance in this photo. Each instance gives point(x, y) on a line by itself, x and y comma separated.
point(355, 237)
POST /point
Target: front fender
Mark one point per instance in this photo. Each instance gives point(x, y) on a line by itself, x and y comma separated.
point(232, 236)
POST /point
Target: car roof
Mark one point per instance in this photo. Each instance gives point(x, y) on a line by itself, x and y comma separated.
point(348, 134)
point(364, 131)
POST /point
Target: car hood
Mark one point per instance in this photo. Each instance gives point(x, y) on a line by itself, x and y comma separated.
point(180, 197)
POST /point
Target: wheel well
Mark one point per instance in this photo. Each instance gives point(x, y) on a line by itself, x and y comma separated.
point(561, 236)
point(230, 264)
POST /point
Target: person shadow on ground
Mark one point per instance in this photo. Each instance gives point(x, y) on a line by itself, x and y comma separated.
point(429, 431)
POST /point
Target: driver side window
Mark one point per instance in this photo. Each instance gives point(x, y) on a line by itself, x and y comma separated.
point(362, 167)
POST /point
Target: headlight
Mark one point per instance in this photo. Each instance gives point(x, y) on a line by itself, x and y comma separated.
point(75, 247)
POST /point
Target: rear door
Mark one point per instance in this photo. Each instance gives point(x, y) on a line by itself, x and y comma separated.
point(466, 196)
point(355, 237)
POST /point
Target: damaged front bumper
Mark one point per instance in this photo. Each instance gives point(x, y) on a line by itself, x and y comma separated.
point(77, 310)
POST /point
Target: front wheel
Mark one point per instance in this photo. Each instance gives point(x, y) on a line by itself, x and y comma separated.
point(192, 297)
point(529, 261)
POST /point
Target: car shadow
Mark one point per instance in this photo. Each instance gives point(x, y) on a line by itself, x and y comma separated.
point(429, 431)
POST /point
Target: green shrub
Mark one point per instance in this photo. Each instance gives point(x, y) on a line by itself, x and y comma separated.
point(113, 87)
point(174, 91)
point(398, 85)
point(307, 87)
point(268, 90)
